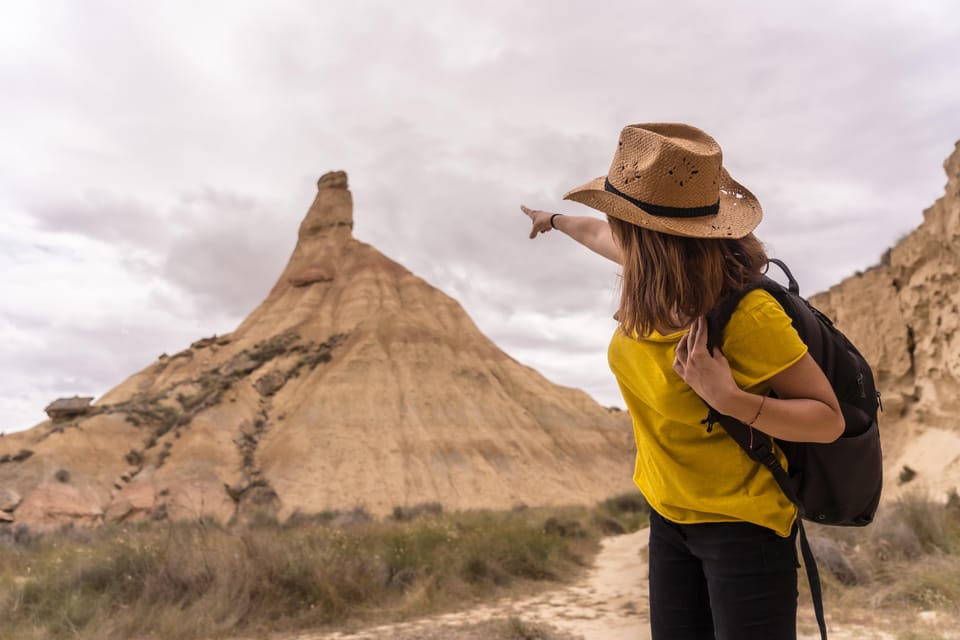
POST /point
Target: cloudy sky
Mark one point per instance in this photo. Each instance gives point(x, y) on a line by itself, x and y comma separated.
point(157, 158)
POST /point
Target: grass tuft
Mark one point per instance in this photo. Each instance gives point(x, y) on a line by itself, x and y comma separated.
point(205, 580)
point(908, 560)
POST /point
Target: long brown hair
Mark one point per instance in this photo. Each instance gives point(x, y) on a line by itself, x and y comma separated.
point(670, 280)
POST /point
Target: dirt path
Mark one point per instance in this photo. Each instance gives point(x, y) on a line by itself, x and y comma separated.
point(609, 603)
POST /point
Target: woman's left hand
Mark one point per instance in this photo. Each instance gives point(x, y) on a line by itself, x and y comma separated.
point(708, 375)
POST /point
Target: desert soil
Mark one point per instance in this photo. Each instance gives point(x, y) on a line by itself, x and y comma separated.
point(608, 603)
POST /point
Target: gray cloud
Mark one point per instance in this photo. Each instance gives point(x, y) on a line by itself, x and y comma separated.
point(104, 217)
point(76, 360)
point(221, 255)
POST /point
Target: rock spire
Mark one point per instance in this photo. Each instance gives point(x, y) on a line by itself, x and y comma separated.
point(354, 383)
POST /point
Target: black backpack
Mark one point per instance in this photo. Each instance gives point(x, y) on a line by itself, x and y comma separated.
point(837, 483)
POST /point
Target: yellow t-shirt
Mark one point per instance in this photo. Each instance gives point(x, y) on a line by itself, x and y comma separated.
point(687, 474)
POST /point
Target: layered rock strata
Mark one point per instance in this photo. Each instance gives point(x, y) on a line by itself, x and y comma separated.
point(354, 383)
point(904, 314)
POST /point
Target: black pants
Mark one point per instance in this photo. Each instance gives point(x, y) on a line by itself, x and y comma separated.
point(724, 581)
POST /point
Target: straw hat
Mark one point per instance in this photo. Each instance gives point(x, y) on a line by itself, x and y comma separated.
point(669, 178)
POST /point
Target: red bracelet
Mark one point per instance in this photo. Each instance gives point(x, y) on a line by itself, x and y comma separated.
point(763, 399)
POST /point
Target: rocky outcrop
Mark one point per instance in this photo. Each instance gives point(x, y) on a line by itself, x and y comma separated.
point(53, 504)
point(65, 408)
point(310, 274)
point(354, 383)
point(904, 314)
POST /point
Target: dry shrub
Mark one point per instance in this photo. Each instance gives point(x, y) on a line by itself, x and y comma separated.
point(516, 629)
point(201, 579)
point(937, 527)
point(402, 513)
point(907, 560)
point(622, 513)
point(833, 559)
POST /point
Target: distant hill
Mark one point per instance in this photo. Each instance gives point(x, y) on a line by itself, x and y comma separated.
point(355, 383)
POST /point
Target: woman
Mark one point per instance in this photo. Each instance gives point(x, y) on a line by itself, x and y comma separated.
point(722, 556)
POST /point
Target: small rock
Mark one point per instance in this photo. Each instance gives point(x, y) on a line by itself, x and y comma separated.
point(203, 342)
point(269, 384)
point(907, 474)
point(239, 364)
point(332, 180)
point(9, 499)
point(63, 408)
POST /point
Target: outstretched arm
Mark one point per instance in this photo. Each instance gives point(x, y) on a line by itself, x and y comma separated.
point(592, 233)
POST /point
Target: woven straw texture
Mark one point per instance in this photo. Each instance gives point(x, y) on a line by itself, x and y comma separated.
point(676, 166)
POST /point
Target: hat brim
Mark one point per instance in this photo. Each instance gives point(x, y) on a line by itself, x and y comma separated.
point(739, 214)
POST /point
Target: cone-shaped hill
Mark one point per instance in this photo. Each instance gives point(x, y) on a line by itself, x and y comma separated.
point(355, 383)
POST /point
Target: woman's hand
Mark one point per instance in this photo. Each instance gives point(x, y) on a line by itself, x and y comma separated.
point(540, 220)
point(592, 233)
point(805, 408)
point(708, 375)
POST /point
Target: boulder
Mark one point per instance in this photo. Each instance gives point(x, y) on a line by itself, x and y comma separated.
point(53, 504)
point(66, 408)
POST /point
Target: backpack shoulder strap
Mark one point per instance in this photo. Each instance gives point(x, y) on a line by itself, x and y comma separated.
point(760, 447)
point(718, 319)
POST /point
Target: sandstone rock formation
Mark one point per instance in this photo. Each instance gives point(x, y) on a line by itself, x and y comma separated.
point(904, 314)
point(353, 383)
point(63, 408)
point(357, 383)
